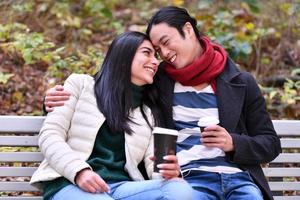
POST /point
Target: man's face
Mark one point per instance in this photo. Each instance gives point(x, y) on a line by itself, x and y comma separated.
point(171, 46)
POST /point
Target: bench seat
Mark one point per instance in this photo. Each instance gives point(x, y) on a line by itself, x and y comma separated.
point(20, 132)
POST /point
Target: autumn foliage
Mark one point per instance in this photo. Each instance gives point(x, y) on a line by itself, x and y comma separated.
point(42, 42)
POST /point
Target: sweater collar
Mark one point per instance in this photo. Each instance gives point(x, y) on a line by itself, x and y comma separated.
point(137, 95)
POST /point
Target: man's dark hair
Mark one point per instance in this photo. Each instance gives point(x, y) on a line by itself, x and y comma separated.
point(175, 17)
point(113, 88)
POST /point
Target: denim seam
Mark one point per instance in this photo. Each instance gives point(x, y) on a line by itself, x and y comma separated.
point(116, 198)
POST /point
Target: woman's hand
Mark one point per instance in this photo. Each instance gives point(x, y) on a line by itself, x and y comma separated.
point(90, 181)
point(169, 169)
point(55, 96)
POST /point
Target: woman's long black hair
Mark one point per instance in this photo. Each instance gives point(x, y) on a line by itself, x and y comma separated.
point(113, 85)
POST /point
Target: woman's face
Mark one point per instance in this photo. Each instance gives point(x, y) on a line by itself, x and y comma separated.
point(144, 64)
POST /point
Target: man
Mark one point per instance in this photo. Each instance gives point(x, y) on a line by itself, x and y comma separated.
point(198, 79)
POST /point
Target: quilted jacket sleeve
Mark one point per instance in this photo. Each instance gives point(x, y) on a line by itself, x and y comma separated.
point(53, 137)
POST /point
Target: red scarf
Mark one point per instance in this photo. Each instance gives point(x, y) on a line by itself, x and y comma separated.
point(204, 69)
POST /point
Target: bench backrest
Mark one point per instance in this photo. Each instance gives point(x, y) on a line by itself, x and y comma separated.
point(19, 140)
point(283, 173)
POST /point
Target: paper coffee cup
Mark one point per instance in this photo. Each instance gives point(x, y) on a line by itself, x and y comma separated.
point(207, 121)
point(164, 144)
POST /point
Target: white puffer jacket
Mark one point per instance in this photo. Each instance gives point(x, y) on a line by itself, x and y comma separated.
point(69, 132)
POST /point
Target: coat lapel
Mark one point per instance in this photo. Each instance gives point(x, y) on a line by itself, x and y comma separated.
point(230, 97)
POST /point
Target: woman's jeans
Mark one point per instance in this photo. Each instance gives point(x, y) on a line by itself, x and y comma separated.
point(174, 189)
point(221, 186)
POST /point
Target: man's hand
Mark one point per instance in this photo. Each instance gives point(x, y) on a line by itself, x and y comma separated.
point(217, 136)
point(90, 181)
point(169, 169)
point(55, 96)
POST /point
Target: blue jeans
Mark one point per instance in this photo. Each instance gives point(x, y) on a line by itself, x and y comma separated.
point(221, 186)
point(174, 189)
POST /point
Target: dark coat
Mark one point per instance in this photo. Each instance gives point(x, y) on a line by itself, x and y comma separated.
point(242, 112)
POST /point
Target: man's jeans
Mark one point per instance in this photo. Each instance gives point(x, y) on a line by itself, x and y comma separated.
point(221, 186)
point(175, 189)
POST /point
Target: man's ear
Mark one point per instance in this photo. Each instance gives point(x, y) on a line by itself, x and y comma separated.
point(188, 29)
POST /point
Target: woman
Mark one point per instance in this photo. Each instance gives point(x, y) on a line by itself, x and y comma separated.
point(94, 143)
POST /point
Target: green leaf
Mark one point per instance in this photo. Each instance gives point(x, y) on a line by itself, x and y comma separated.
point(5, 77)
point(295, 72)
point(27, 55)
point(297, 84)
point(253, 5)
point(59, 49)
point(106, 12)
point(273, 94)
point(22, 7)
point(254, 8)
point(205, 4)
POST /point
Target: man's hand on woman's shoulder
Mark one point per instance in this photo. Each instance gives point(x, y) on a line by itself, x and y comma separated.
point(55, 96)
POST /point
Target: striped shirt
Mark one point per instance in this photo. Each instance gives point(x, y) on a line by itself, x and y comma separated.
point(189, 105)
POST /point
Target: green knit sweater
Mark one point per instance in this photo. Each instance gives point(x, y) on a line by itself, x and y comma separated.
point(107, 158)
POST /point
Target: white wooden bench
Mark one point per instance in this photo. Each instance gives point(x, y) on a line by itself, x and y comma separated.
point(13, 128)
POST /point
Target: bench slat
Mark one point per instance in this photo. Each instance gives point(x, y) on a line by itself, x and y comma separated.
point(279, 186)
point(286, 197)
point(21, 124)
point(30, 124)
point(22, 198)
point(287, 127)
point(16, 186)
point(287, 158)
point(21, 156)
point(290, 143)
point(33, 141)
point(17, 171)
point(282, 172)
point(18, 141)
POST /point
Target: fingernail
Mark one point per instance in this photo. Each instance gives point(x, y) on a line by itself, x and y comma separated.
point(165, 157)
point(159, 166)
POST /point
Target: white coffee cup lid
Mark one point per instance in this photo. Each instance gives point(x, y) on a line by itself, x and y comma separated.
point(159, 130)
point(207, 121)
